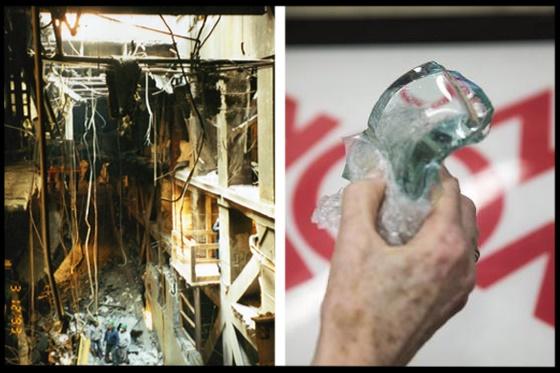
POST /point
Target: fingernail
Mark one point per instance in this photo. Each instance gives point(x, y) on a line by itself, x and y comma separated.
point(375, 175)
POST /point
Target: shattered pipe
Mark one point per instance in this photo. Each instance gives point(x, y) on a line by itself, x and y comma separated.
point(40, 129)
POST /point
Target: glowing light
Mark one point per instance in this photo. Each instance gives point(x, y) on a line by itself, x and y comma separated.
point(148, 318)
point(121, 29)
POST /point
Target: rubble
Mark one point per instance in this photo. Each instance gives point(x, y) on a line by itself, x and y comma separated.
point(124, 306)
point(120, 302)
point(109, 146)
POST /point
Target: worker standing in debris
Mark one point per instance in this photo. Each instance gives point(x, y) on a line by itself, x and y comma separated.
point(121, 355)
point(383, 303)
point(111, 340)
point(95, 334)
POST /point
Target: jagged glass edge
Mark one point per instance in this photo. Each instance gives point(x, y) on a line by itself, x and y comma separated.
point(422, 71)
point(483, 130)
point(481, 127)
point(418, 72)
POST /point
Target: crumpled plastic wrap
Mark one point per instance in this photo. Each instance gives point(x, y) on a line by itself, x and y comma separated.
point(417, 122)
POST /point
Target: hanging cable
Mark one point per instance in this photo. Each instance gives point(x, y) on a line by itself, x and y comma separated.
point(155, 151)
point(68, 218)
point(147, 140)
point(73, 29)
point(120, 203)
point(195, 54)
point(32, 251)
point(39, 237)
point(96, 235)
point(73, 48)
point(27, 132)
point(201, 121)
point(76, 230)
point(88, 200)
point(32, 279)
point(211, 31)
point(73, 227)
point(72, 216)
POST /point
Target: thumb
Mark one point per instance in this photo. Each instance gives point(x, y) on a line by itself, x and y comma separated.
point(360, 203)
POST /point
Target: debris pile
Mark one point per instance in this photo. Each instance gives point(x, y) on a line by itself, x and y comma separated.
point(120, 303)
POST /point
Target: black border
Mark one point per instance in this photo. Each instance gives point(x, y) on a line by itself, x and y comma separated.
point(419, 29)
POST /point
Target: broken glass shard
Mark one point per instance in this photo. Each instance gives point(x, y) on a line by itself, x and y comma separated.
point(417, 122)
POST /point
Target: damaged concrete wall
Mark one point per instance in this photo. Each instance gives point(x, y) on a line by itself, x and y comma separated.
point(240, 37)
point(228, 103)
point(238, 112)
point(176, 348)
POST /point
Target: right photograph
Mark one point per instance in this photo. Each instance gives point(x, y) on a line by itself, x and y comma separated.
point(420, 173)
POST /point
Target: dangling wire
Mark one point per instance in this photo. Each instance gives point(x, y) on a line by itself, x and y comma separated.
point(96, 235)
point(103, 119)
point(150, 120)
point(75, 230)
point(193, 104)
point(32, 252)
point(210, 33)
point(73, 225)
point(155, 153)
point(87, 126)
point(32, 279)
point(88, 201)
point(120, 202)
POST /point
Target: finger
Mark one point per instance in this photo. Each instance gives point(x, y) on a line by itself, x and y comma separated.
point(448, 206)
point(360, 203)
point(468, 219)
point(458, 306)
point(357, 236)
point(446, 210)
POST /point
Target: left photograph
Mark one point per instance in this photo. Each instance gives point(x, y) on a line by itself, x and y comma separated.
point(139, 185)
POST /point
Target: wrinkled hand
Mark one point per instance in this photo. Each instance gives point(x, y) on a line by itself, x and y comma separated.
point(384, 302)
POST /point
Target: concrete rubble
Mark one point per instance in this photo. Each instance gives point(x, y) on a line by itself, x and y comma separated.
point(120, 302)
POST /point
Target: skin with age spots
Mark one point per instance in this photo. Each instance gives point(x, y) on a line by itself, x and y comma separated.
point(384, 302)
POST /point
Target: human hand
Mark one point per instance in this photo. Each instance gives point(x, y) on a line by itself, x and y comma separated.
point(384, 302)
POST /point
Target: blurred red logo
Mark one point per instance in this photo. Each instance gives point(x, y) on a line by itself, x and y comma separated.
point(536, 157)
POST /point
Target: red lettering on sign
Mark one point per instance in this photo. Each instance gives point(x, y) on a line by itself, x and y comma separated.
point(305, 200)
point(535, 115)
point(301, 140)
point(488, 216)
point(536, 157)
point(517, 254)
